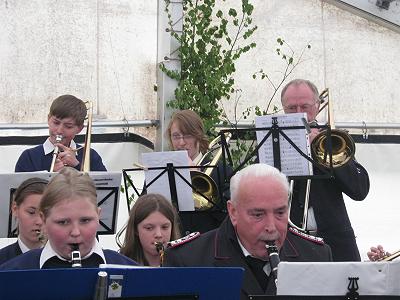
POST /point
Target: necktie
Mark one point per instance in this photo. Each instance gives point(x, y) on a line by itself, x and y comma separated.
point(92, 261)
point(257, 266)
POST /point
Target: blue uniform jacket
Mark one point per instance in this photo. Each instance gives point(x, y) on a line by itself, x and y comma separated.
point(33, 159)
point(9, 252)
point(31, 259)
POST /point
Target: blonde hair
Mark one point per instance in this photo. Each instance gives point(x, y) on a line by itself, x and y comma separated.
point(65, 185)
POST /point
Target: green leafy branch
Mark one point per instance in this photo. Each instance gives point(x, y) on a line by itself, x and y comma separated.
point(245, 144)
point(208, 52)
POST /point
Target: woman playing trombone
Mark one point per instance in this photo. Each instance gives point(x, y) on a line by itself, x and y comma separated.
point(186, 132)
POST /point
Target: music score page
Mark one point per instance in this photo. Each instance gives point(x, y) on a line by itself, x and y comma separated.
point(292, 162)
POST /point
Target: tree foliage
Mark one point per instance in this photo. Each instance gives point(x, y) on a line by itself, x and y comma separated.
point(211, 41)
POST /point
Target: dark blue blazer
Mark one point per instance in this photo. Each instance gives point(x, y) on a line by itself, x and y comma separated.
point(9, 252)
point(31, 260)
point(33, 159)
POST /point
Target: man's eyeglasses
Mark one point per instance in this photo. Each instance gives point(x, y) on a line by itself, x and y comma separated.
point(186, 137)
point(303, 107)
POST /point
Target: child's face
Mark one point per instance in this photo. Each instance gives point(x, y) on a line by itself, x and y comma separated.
point(72, 221)
point(155, 228)
point(29, 221)
point(65, 127)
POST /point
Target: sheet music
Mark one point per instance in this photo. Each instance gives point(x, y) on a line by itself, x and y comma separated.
point(161, 186)
point(107, 189)
point(292, 163)
point(331, 278)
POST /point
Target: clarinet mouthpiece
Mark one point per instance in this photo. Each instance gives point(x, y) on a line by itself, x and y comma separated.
point(159, 246)
point(75, 256)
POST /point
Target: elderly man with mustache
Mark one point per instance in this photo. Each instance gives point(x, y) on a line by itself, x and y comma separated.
point(258, 216)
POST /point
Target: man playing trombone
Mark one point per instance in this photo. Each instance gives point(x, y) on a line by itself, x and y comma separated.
point(327, 214)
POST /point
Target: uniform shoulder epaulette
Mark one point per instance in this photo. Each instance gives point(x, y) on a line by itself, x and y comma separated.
point(184, 240)
point(311, 238)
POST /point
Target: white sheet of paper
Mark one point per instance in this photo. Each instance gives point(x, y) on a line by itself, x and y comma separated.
point(292, 163)
point(161, 186)
point(331, 278)
point(108, 180)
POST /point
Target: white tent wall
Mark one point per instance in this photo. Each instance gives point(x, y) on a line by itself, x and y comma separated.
point(376, 219)
point(107, 51)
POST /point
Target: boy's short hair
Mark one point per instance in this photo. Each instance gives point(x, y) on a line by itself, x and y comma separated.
point(68, 106)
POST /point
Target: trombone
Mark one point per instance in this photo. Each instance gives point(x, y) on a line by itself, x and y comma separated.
point(85, 165)
point(342, 144)
point(331, 148)
point(390, 257)
point(202, 182)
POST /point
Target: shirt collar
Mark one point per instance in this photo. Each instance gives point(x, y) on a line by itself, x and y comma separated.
point(48, 252)
point(48, 146)
point(197, 159)
point(244, 250)
point(266, 268)
point(24, 248)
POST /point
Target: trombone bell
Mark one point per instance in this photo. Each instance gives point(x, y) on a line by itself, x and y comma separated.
point(342, 144)
point(202, 182)
point(343, 148)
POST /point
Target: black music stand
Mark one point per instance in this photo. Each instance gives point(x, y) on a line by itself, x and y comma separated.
point(190, 220)
point(274, 133)
point(107, 188)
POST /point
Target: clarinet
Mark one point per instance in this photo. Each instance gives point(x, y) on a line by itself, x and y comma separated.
point(160, 250)
point(75, 256)
point(100, 292)
point(273, 259)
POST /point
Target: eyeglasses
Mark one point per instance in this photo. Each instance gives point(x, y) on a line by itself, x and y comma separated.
point(185, 137)
point(303, 107)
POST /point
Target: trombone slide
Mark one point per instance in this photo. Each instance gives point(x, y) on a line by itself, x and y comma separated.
point(303, 226)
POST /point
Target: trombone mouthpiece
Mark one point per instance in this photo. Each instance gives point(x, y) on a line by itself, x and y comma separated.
point(59, 138)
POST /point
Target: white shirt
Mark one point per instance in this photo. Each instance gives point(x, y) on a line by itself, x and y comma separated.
point(48, 146)
point(24, 248)
point(311, 222)
point(197, 159)
point(267, 267)
point(48, 252)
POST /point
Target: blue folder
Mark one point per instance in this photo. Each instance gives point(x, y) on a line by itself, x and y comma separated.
point(205, 283)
